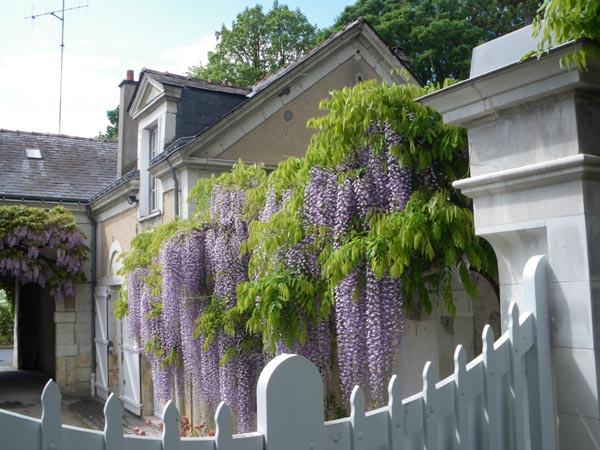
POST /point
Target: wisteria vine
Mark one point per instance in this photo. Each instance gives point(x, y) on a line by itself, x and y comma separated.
point(41, 246)
point(326, 253)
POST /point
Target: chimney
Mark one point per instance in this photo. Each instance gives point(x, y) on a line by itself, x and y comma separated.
point(128, 132)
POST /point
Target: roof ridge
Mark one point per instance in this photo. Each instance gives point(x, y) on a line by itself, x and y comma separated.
point(265, 81)
point(65, 136)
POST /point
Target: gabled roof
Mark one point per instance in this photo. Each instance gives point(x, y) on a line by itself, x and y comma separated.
point(70, 167)
point(278, 84)
point(356, 25)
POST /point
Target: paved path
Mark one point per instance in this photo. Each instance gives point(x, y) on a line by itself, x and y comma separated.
point(21, 390)
point(6, 356)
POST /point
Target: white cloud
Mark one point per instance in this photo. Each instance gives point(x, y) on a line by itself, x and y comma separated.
point(31, 84)
point(182, 58)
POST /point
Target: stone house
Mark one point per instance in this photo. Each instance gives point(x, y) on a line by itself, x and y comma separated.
point(173, 131)
point(46, 170)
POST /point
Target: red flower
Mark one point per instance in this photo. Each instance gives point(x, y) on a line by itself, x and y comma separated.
point(142, 433)
point(160, 425)
point(136, 430)
point(182, 433)
point(148, 422)
point(211, 433)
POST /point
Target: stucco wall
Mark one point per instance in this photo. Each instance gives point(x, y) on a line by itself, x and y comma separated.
point(121, 228)
point(277, 138)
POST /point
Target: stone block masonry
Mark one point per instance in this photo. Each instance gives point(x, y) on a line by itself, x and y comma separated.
point(533, 134)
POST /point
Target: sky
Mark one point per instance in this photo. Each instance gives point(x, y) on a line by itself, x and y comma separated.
point(102, 41)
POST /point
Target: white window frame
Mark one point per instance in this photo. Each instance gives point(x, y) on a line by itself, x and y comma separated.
point(154, 183)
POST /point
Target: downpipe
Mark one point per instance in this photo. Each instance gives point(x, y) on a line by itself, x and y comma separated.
point(93, 238)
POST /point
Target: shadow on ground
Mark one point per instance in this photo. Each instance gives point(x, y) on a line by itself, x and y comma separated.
point(21, 390)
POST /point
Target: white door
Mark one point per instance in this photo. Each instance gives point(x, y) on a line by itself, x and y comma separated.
point(129, 370)
point(101, 340)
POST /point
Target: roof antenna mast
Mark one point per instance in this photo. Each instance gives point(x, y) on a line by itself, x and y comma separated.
point(60, 17)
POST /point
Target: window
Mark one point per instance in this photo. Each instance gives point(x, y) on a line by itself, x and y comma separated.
point(154, 150)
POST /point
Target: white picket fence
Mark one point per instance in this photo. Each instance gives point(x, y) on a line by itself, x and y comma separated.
point(503, 399)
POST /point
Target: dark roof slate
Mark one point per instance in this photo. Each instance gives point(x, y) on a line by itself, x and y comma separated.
point(183, 81)
point(71, 167)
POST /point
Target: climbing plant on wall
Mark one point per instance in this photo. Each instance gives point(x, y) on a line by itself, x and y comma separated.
point(42, 246)
point(323, 255)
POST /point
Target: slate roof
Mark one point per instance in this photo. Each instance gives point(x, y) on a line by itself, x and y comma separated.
point(70, 167)
point(172, 79)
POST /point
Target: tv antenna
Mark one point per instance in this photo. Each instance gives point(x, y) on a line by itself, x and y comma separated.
point(60, 17)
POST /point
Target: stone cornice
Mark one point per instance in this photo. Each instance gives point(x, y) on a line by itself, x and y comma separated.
point(569, 168)
point(512, 85)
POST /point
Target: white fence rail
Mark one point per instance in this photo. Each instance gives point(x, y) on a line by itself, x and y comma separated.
point(503, 399)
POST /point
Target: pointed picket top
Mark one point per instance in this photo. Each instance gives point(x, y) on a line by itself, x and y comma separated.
point(357, 418)
point(490, 385)
point(170, 437)
point(113, 428)
point(487, 344)
point(461, 401)
point(429, 410)
point(396, 414)
point(460, 368)
point(51, 421)
point(223, 434)
point(429, 379)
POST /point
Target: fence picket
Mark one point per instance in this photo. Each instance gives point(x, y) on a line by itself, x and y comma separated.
point(396, 415)
point(491, 387)
point(430, 419)
point(223, 435)
point(113, 428)
point(170, 437)
point(358, 419)
point(461, 401)
point(290, 404)
point(517, 379)
point(502, 399)
point(543, 424)
point(51, 421)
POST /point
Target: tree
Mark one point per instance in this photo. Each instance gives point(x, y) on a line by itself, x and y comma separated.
point(256, 45)
point(112, 130)
point(439, 35)
point(562, 21)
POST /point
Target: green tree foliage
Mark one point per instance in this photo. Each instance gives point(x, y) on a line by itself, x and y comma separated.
point(439, 35)
point(257, 44)
point(562, 21)
point(423, 245)
point(112, 130)
point(7, 315)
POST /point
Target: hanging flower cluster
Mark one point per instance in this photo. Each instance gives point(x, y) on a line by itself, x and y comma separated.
point(325, 253)
point(41, 246)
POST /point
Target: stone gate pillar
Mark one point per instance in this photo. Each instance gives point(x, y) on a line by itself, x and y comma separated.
point(534, 144)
